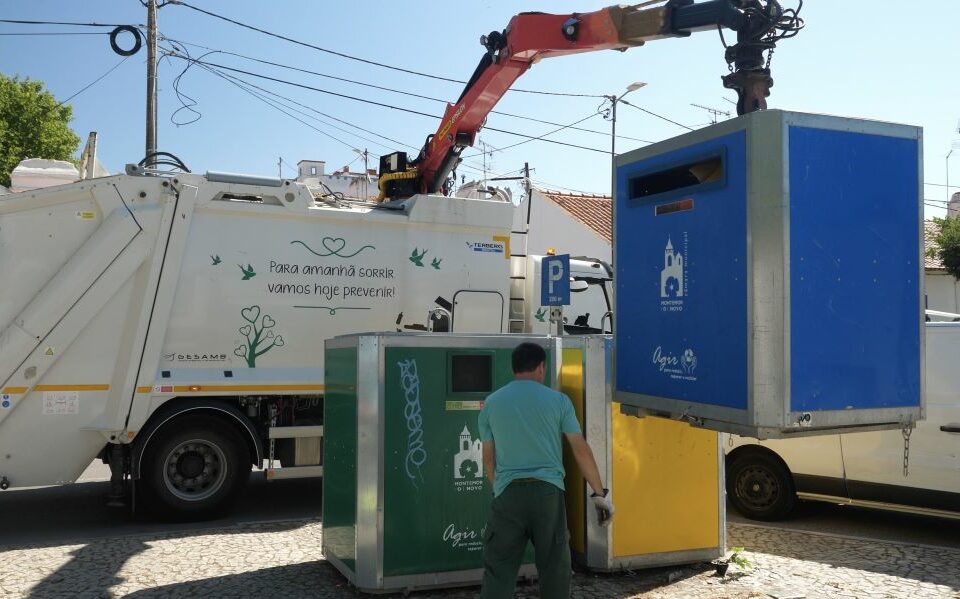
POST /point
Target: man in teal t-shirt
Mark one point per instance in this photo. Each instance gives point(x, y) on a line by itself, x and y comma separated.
point(520, 426)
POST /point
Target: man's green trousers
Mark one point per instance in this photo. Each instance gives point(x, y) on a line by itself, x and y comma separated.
point(527, 510)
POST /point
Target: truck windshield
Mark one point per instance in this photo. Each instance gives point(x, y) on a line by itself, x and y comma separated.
point(587, 309)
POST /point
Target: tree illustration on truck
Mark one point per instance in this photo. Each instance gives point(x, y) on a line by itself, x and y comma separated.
point(259, 335)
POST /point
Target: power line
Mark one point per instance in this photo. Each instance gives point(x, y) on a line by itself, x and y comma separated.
point(238, 81)
point(59, 33)
point(550, 141)
point(276, 106)
point(94, 82)
point(659, 116)
point(291, 100)
point(310, 108)
point(372, 102)
point(555, 186)
point(388, 89)
point(359, 59)
point(540, 137)
point(72, 23)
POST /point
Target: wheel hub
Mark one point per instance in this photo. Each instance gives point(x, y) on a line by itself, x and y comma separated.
point(190, 465)
point(194, 470)
point(758, 487)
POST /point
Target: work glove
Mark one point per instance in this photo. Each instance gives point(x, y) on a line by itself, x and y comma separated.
point(604, 505)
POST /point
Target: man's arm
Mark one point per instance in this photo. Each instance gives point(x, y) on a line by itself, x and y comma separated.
point(584, 457)
point(490, 460)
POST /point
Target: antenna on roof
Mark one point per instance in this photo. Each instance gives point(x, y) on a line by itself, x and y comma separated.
point(714, 112)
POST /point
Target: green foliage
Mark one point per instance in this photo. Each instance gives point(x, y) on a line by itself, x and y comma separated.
point(946, 244)
point(738, 559)
point(32, 125)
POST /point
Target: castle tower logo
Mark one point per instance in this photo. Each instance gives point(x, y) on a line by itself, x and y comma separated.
point(672, 275)
point(468, 462)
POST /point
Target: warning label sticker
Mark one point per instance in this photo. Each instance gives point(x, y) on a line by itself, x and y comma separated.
point(61, 402)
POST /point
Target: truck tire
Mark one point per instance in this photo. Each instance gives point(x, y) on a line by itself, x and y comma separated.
point(760, 486)
point(194, 469)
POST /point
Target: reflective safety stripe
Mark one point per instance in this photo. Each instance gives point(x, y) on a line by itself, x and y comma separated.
point(21, 390)
point(210, 388)
point(72, 388)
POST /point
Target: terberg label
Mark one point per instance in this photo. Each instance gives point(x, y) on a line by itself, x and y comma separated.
point(496, 247)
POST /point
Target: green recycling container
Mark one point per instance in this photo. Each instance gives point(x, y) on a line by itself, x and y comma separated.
point(405, 500)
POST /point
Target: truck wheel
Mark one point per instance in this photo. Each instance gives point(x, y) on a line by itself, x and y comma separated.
point(760, 487)
point(194, 469)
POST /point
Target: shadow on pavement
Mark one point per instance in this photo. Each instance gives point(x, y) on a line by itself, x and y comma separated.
point(923, 563)
point(51, 516)
point(77, 515)
point(321, 580)
point(308, 579)
point(101, 559)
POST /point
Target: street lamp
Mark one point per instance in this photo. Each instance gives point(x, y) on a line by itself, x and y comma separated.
point(613, 114)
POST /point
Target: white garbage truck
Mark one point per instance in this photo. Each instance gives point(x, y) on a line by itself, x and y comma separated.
point(174, 325)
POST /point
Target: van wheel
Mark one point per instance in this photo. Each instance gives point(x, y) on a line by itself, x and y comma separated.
point(194, 469)
point(760, 487)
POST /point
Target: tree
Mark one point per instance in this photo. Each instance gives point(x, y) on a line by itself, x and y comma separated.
point(946, 244)
point(32, 125)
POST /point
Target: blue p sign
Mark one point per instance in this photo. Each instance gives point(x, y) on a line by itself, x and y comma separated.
point(555, 281)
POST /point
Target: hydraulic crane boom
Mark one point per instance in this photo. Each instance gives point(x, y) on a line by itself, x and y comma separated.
point(530, 37)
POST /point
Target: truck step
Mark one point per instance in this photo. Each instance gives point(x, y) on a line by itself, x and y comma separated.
point(295, 432)
point(293, 472)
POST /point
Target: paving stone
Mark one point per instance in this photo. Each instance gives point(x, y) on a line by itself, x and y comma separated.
point(284, 560)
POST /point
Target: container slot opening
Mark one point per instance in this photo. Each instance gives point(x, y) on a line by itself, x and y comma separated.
point(471, 373)
point(677, 177)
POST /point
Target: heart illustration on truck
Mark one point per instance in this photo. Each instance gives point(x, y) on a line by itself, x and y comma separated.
point(334, 244)
point(251, 314)
point(268, 322)
point(245, 330)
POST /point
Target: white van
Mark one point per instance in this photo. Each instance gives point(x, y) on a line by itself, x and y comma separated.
point(765, 478)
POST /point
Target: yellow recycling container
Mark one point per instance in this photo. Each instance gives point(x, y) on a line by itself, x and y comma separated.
point(666, 477)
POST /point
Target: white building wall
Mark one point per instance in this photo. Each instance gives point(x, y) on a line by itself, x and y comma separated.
point(943, 292)
point(552, 227)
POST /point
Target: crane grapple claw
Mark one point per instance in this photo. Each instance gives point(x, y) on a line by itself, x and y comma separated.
point(752, 89)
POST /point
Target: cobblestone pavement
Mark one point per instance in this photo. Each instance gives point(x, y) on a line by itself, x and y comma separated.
point(283, 560)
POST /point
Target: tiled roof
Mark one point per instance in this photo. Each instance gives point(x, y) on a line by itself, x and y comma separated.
point(594, 211)
point(929, 230)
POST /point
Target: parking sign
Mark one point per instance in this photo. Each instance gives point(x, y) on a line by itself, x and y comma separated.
point(555, 281)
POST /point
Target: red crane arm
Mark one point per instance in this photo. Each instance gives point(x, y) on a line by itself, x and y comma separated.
point(528, 38)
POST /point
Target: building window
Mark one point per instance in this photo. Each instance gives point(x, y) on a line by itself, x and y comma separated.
point(313, 170)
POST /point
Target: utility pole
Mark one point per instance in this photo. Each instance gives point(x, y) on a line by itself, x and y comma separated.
point(614, 100)
point(484, 150)
point(280, 167)
point(366, 175)
point(528, 187)
point(151, 144)
point(613, 127)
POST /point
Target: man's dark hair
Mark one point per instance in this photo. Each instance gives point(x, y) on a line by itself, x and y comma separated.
point(527, 357)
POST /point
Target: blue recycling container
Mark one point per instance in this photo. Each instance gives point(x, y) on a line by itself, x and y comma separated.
point(769, 275)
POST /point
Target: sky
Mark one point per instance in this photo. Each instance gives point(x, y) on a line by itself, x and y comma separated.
point(875, 59)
